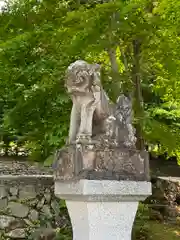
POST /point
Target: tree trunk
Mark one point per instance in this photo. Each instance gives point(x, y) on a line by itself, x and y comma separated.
point(139, 113)
point(114, 64)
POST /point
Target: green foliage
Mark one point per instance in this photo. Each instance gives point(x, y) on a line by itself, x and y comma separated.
point(31, 65)
point(64, 234)
point(162, 131)
point(39, 39)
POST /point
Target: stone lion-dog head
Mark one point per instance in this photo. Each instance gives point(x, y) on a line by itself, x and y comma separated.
point(81, 76)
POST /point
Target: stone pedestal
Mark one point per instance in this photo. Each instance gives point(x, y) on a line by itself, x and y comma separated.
point(102, 209)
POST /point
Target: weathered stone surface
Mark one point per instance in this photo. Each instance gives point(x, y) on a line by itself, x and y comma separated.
point(165, 193)
point(33, 215)
point(48, 190)
point(3, 192)
point(19, 233)
point(155, 215)
point(172, 212)
point(56, 207)
point(3, 204)
point(126, 164)
point(11, 166)
point(13, 191)
point(64, 165)
point(21, 214)
point(47, 211)
point(18, 209)
point(29, 223)
point(27, 192)
point(47, 197)
point(32, 202)
point(12, 198)
point(17, 223)
point(5, 221)
point(108, 163)
point(44, 233)
point(21, 202)
point(40, 203)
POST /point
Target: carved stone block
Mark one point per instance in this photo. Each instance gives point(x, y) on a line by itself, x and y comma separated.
point(83, 162)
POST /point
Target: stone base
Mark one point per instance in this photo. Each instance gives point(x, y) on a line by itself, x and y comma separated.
point(102, 210)
point(74, 162)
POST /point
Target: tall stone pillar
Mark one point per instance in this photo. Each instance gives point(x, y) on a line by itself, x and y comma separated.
point(102, 209)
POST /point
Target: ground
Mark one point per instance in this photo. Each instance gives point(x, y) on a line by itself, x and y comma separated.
point(145, 229)
point(156, 231)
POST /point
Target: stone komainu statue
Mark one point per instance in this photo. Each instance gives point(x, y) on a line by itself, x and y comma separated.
point(101, 136)
point(92, 113)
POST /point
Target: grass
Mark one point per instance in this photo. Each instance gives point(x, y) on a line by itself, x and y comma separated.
point(145, 229)
point(165, 232)
point(156, 231)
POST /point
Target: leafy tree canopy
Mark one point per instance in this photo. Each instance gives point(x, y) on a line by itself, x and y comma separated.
point(136, 41)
